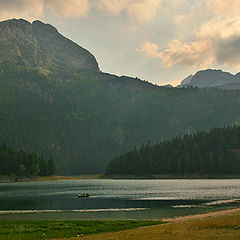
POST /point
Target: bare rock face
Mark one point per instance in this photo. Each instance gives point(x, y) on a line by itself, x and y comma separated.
point(41, 46)
point(212, 78)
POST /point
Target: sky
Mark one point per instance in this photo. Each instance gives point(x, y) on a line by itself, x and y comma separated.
point(161, 41)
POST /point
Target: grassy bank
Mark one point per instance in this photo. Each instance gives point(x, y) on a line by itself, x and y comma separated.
point(206, 227)
point(224, 225)
point(23, 230)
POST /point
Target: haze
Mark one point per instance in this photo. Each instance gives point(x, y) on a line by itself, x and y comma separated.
point(161, 41)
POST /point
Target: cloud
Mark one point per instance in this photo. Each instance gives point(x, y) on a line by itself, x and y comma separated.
point(223, 8)
point(20, 8)
point(32, 9)
point(179, 53)
point(216, 42)
point(142, 10)
point(151, 49)
point(113, 6)
point(69, 8)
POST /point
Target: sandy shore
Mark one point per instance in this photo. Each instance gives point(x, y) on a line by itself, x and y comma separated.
point(220, 225)
point(8, 179)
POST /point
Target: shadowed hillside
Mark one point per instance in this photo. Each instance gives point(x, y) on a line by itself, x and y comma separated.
point(55, 101)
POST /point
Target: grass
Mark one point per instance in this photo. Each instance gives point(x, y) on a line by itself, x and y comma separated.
point(26, 230)
point(208, 228)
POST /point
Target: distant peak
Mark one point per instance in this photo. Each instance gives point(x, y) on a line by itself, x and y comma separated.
point(212, 72)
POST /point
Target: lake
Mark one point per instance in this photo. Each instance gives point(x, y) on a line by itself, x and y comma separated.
point(116, 199)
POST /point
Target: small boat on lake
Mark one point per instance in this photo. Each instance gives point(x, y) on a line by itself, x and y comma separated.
point(83, 195)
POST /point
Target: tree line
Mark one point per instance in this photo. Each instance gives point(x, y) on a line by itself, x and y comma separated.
point(21, 163)
point(216, 152)
point(84, 120)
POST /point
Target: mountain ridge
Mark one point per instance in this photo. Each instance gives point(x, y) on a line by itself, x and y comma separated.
point(214, 78)
point(83, 117)
point(41, 46)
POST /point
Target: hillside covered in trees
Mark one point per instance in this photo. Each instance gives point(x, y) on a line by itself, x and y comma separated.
point(82, 122)
point(55, 101)
point(20, 163)
point(213, 153)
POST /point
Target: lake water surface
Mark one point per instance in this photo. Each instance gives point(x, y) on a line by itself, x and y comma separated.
point(116, 199)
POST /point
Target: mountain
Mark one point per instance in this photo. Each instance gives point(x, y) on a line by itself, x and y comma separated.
point(56, 102)
point(40, 46)
point(212, 78)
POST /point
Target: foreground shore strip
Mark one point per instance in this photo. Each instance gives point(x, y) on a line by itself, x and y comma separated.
point(224, 225)
point(39, 229)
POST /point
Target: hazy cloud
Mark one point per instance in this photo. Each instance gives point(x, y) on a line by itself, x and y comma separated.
point(20, 8)
point(178, 33)
point(32, 9)
point(216, 42)
point(151, 49)
point(69, 8)
point(179, 53)
point(113, 6)
point(223, 8)
point(143, 10)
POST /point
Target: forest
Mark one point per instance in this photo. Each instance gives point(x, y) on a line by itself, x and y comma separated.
point(83, 119)
point(213, 153)
point(20, 163)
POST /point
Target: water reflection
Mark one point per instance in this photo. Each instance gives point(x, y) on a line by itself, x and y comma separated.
point(117, 198)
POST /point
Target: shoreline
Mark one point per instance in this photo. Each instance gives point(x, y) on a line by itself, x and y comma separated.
point(156, 176)
point(222, 225)
point(12, 179)
point(200, 216)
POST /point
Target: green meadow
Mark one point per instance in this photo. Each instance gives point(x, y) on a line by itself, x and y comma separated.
point(24, 230)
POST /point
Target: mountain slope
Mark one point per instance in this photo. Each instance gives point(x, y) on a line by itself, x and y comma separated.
point(83, 117)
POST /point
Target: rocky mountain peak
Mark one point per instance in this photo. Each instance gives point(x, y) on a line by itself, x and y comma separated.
point(41, 46)
point(212, 78)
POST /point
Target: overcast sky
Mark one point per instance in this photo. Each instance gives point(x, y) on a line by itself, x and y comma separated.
point(161, 41)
